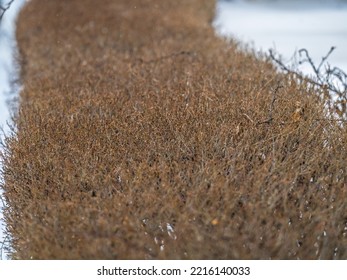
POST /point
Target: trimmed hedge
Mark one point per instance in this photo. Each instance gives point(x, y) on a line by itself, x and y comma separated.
point(142, 135)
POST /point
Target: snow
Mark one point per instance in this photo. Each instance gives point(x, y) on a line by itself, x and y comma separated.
point(287, 26)
point(7, 75)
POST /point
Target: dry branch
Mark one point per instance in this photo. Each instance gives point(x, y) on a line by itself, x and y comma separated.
point(327, 78)
point(322, 79)
point(4, 8)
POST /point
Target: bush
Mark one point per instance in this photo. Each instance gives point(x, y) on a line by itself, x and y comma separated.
point(141, 135)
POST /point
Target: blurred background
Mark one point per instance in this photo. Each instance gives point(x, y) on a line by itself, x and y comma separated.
point(287, 26)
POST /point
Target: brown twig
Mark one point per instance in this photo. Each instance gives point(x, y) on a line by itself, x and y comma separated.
point(272, 106)
point(181, 53)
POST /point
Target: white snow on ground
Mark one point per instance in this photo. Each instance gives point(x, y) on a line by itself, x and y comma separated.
point(288, 26)
point(7, 75)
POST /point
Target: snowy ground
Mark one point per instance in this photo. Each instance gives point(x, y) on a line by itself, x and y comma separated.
point(288, 26)
point(7, 75)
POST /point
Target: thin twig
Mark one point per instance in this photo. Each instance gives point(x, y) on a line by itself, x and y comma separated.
point(317, 70)
point(272, 106)
point(3, 246)
point(325, 58)
point(2, 202)
point(248, 117)
point(322, 83)
point(4, 8)
point(331, 120)
point(181, 53)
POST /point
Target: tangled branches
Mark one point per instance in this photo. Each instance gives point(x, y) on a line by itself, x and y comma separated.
point(332, 80)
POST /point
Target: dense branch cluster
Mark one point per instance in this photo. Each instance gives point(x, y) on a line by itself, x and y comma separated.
point(331, 80)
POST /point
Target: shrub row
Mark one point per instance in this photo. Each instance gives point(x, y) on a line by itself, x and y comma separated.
point(142, 135)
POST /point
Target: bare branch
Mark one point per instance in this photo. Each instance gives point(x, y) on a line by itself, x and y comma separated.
point(325, 58)
point(332, 79)
point(317, 70)
point(272, 106)
point(4, 8)
point(161, 58)
point(323, 79)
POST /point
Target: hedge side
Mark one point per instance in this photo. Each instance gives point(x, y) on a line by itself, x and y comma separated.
point(142, 135)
